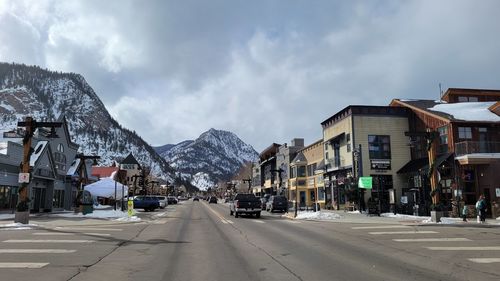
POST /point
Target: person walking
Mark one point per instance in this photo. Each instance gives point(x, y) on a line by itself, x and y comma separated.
point(481, 209)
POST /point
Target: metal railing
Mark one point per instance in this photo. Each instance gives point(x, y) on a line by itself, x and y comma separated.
point(470, 147)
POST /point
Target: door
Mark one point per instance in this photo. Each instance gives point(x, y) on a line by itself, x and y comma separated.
point(38, 199)
point(302, 202)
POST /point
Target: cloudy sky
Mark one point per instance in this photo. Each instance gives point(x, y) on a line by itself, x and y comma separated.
point(268, 71)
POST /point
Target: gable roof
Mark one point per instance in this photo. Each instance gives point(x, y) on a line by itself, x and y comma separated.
point(300, 158)
point(130, 159)
point(452, 112)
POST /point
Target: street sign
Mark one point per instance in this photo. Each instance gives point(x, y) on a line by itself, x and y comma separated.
point(365, 182)
point(24, 177)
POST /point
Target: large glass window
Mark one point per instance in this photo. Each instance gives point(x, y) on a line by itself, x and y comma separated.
point(465, 133)
point(301, 171)
point(379, 147)
point(321, 193)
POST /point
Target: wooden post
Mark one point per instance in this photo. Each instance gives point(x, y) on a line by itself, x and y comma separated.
point(431, 152)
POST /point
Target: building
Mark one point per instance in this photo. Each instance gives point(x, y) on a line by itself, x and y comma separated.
point(55, 170)
point(365, 141)
point(133, 173)
point(306, 177)
point(267, 162)
point(286, 153)
point(466, 126)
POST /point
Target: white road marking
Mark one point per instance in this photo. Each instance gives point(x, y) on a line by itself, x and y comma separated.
point(97, 234)
point(258, 221)
point(380, 227)
point(403, 232)
point(36, 251)
point(485, 260)
point(48, 241)
point(53, 234)
point(479, 248)
point(23, 264)
point(224, 221)
point(290, 221)
point(88, 228)
point(433, 240)
point(160, 221)
point(231, 222)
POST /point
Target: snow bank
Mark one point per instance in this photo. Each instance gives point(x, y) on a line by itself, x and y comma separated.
point(317, 216)
point(405, 217)
point(17, 226)
point(96, 214)
point(133, 218)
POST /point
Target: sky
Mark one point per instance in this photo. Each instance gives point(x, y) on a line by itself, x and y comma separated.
point(269, 71)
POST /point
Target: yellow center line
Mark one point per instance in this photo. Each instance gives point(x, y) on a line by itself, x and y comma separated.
point(218, 215)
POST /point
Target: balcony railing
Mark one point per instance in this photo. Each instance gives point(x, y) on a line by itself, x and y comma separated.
point(471, 147)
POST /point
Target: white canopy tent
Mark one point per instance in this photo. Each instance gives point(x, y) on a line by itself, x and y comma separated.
point(106, 188)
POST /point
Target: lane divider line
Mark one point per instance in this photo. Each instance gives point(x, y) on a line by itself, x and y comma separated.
point(403, 232)
point(36, 251)
point(23, 264)
point(47, 241)
point(485, 260)
point(223, 220)
point(432, 240)
point(478, 248)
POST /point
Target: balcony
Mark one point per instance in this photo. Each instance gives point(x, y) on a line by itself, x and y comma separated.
point(475, 152)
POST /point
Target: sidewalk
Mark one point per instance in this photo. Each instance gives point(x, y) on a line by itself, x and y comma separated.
point(386, 218)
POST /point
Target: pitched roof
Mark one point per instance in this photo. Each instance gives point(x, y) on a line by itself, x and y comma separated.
point(463, 111)
point(130, 160)
point(300, 158)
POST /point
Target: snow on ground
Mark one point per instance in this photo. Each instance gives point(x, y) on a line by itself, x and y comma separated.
point(317, 216)
point(133, 218)
point(17, 226)
point(404, 217)
point(103, 214)
point(6, 216)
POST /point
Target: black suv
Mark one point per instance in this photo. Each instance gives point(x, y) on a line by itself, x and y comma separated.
point(277, 203)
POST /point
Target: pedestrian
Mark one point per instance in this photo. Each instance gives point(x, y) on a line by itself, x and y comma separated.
point(481, 209)
point(465, 212)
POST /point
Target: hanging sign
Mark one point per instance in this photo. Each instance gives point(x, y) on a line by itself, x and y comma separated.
point(24, 177)
point(365, 182)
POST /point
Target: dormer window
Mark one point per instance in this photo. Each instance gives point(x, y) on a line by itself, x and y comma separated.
point(60, 148)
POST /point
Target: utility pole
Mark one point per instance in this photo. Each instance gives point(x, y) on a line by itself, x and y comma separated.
point(22, 209)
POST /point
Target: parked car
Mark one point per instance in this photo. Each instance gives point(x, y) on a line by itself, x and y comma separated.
point(212, 199)
point(171, 200)
point(196, 198)
point(146, 202)
point(245, 204)
point(163, 201)
point(277, 203)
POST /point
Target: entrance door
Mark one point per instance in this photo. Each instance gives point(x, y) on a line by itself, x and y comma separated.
point(302, 202)
point(38, 199)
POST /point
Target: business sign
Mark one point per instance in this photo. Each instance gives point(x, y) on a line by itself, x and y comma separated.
point(24, 177)
point(365, 182)
point(380, 164)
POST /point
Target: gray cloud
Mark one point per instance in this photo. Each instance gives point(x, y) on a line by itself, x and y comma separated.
point(267, 70)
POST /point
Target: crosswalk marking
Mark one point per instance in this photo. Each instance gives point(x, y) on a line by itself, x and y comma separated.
point(88, 228)
point(23, 264)
point(36, 251)
point(478, 248)
point(485, 260)
point(380, 227)
point(432, 240)
point(258, 221)
point(404, 232)
point(47, 241)
point(229, 221)
point(97, 234)
point(290, 221)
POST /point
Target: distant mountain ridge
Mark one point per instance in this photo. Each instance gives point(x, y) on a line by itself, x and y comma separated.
point(45, 95)
point(216, 155)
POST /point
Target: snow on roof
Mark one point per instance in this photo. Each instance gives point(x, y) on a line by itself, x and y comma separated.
point(40, 146)
point(3, 148)
point(468, 111)
point(73, 167)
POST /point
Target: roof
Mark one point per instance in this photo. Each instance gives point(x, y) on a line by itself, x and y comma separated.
point(463, 111)
point(103, 172)
point(470, 92)
point(300, 158)
point(269, 151)
point(130, 160)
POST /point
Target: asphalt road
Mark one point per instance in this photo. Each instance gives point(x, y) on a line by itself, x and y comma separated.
point(198, 241)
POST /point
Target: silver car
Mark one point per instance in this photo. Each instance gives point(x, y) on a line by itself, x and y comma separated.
point(163, 201)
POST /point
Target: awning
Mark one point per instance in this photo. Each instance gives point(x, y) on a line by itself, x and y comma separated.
point(413, 166)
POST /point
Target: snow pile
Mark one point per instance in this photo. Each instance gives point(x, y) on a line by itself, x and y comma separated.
point(17, 226)
point(6, 216)
point(446, 220)
point(96, 214)
point(125, 219)
point(404, 217)
point(317, 216)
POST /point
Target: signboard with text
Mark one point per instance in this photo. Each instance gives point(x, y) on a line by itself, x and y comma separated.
point(24, 177)
point(365, 182)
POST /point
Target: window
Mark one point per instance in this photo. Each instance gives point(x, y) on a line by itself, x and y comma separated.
point(379, 147)
point(467, 99)
point(443, 139)
point(60, 161)
point(301, 171)
point(60, 148)
point(465, 133)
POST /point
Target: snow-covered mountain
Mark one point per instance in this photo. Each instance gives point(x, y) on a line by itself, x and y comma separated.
point(45, 95)
point(215, 156)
